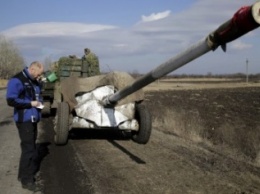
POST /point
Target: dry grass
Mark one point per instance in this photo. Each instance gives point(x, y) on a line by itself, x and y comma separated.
point(183, 124)
point(200, 80)
point(3, 83)
point(197, 83)
point(236, 137)
point(189, 125)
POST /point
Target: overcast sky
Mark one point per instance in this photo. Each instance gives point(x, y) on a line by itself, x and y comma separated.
point(128, 35)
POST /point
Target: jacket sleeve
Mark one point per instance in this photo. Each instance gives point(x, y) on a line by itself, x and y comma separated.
point(14, 90)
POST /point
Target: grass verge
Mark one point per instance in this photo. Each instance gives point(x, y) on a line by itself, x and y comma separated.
point(190, 125)
point(3, 83)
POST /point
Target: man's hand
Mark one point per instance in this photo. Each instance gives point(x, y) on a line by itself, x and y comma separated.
point(35, 103)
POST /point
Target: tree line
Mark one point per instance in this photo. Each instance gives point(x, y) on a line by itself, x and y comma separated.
point(256, 76)
point(11, 61)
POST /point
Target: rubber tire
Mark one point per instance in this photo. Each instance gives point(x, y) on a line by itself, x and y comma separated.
point(62, 124)
point(143, 117)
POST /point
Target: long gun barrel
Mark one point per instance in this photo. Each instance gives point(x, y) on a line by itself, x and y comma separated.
point(244, 20)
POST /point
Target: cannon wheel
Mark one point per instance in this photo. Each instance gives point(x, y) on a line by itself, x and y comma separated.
point(143, 116)
point(62, 124)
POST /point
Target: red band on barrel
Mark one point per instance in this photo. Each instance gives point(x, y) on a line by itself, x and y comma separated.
point(241, 23)
point(243, 20)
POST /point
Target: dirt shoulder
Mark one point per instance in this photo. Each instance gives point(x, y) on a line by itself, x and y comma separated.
point(167, 164)
point(188, 151)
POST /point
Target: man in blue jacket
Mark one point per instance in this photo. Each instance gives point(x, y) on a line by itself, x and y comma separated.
point(23, 93)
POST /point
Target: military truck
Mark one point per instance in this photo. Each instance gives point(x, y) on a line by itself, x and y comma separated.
point(66, 66)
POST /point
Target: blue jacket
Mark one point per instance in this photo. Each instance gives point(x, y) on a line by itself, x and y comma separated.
point(21, 90)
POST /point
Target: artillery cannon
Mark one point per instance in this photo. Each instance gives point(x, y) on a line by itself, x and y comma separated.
point(113, 104)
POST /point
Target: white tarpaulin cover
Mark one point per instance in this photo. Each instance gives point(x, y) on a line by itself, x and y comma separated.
point(90, 113)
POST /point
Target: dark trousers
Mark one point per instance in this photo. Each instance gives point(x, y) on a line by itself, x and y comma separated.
point(28, 161)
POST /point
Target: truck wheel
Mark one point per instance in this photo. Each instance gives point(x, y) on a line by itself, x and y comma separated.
point(143, 116)
point(47, 108)
point(62, 124)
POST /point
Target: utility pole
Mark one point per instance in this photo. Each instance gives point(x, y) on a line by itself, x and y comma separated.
point(247, 70)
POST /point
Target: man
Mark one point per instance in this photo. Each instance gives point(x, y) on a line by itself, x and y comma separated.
point(90, 63)
point(23, 93)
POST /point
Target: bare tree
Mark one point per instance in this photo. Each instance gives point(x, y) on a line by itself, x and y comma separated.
point(11, 61)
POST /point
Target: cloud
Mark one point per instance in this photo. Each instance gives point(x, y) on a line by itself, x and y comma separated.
point(156, 16)
point(49, 29)
point(239, 45)
point(140, 47)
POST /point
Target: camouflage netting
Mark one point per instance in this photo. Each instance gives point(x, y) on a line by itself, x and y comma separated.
point(91, 64)
point(70, 63)
point(86, 66)
point(72, 86)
